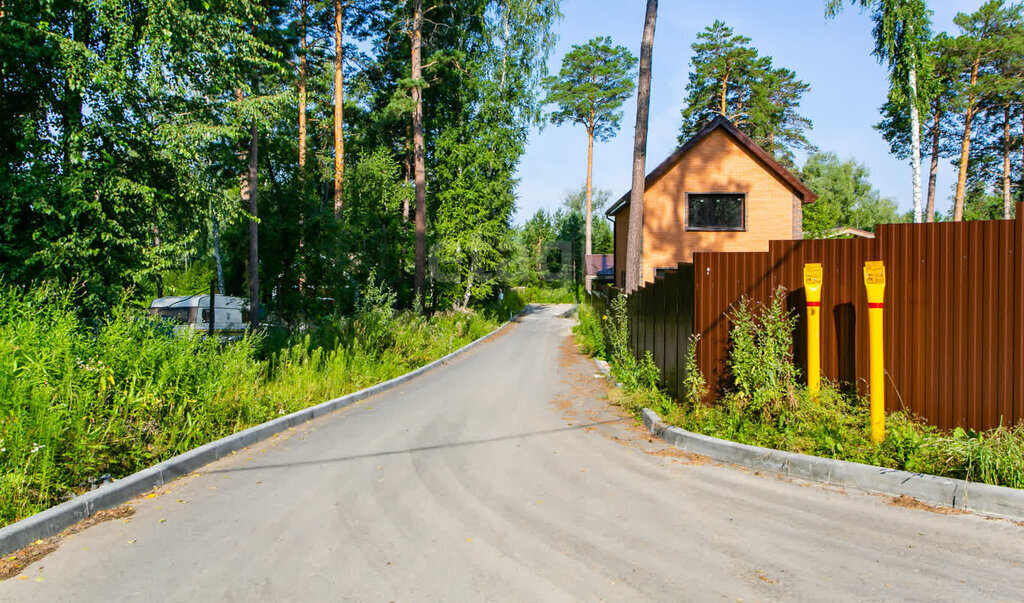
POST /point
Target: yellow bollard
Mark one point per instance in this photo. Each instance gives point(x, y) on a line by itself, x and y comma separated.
point(812, 290)
point(874, 281)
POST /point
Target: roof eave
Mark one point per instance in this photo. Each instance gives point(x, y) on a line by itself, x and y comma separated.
point(806, 195)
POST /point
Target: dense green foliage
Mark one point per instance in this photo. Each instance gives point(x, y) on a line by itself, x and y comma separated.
point(549, 247)
point(767, 406)
point(845, 197)
point(127, 130)
point(970, 95)
point(81, 401)
point(729, 78)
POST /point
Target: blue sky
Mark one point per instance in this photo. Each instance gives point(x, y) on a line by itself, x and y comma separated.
point(834, 57)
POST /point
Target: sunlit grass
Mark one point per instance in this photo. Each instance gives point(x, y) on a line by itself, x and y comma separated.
point(83, 402)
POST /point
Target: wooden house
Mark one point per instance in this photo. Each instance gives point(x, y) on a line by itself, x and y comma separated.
point(719, 191)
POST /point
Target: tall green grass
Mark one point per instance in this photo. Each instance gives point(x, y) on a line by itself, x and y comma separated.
point(767, 406)
point(560, 294)
point(83, 402)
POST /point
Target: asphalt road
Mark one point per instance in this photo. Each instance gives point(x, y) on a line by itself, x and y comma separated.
point(505, 476)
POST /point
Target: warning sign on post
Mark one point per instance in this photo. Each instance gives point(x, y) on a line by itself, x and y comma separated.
point(812, 275)
point(874, 273)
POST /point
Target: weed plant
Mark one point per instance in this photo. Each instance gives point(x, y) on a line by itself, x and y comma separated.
point(81, 403)
point(589, 332)
point(767, 406)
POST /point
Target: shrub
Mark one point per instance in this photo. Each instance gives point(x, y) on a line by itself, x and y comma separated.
point(761, 356)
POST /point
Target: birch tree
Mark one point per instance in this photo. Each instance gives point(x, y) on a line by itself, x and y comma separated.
point(902, 29)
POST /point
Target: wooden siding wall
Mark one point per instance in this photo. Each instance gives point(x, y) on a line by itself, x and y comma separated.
point(954, 315)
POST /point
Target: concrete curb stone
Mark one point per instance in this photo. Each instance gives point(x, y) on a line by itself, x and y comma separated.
point(946, 491)
point(950, 492)
point(55, 519)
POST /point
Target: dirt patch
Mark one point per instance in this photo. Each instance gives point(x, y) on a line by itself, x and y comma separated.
point(908, 502)
point(690, 457)
point(12, 564)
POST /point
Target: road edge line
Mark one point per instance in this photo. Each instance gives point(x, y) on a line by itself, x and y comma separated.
point(54, 520)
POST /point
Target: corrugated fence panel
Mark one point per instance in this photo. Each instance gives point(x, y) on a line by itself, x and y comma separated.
point(670, 376)
point(954, 315)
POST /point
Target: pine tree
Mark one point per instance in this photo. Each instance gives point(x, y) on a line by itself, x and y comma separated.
point(634, 237)
point(729, 78)
point(987, 36)
point(594, 81)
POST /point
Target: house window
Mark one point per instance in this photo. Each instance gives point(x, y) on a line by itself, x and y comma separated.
point(715, 211)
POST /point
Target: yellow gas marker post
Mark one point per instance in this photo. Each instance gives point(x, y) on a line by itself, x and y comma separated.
point(874, 281)
point(812, 290)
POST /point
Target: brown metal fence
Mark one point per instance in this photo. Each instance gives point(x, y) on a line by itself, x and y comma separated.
point(954, 315)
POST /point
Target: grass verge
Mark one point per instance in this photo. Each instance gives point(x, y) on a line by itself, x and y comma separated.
point(767, 406)
point(84, 403)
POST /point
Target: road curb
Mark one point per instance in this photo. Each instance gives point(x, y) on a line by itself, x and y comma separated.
point(55, 519)
point(946, 491)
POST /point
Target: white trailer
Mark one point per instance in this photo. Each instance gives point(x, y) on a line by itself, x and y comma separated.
point(192, 313)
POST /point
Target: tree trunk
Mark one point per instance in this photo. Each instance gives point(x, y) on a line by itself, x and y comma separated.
point(156, 246)
point(408, 171)
point(217, 257)
point(965, 148)
point(251, 191)
point(302, 89)
point(933, 169)
point(418, 158)
point(915, 144)
point(722, 108)
point(469, 288)
point(339, 97)
point(1007, 199)
point(634, 241)
point(303, 70)
point(588, 233)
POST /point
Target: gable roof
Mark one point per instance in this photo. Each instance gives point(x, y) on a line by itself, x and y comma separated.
point(805, 194)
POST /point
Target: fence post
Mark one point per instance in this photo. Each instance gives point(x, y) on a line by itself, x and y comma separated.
point(874, 281)
point(213, 289)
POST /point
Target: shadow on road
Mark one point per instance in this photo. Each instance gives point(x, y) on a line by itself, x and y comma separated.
point(384, 453)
